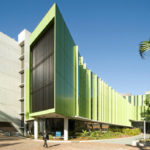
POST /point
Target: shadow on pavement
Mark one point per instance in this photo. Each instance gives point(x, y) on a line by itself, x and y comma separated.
point(54, 145)
point(3, 145)
point(8, 138)
point(140, 147)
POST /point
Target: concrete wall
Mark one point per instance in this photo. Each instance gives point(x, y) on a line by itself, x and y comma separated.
point(23, 40)
point(24, 37)
point(9, 81)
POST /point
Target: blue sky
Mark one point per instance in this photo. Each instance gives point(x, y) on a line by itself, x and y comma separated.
point(107, 32)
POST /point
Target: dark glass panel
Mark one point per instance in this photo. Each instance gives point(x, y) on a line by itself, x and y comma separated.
point(33, 102)
point(46, 70)
point(51, 41)
point(52, 68)
point(43, 71)
point(53, 125)
point(33, 79)
point(51, 95)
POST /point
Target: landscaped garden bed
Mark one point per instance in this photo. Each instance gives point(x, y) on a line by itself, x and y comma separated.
point(98, 135)
point(112, 133)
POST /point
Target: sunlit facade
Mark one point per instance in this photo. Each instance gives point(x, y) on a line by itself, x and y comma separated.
point(60, 89)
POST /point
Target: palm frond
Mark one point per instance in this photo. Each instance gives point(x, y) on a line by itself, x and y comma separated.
point(143, 47)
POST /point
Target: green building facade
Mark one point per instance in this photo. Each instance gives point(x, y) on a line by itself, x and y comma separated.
point(60, 86)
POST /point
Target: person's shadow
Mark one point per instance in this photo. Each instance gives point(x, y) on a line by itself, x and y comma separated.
point(54, 145)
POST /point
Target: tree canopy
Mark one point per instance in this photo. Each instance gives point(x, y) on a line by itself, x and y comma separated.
point(146, 113)
point(143, 47)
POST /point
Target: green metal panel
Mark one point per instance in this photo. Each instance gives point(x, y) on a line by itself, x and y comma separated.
point(94, 99)
point(105, 104)
point(88, 93)
point(27, 94)
point(103, 101)
point(110, 104)
point(41, 113)
point(115, 97)
point(118, 109)
point(114, 106)
point(84, 90)
point(76, 82)
point(99, 101)
point(64, 68)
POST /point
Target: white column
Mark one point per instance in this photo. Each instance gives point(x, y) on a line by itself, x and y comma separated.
point(65, 129)
point(36, 129)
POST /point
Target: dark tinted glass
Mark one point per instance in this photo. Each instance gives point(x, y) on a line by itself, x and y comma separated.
point(43, 71)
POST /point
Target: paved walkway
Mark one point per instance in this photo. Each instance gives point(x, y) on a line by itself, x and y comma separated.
point(10, 143)
point(127, 141)
point(29, 144)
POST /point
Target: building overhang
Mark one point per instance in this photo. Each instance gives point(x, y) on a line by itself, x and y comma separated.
point(42, 113)
point(89, 120)
point(50, 113)
point(138, 121)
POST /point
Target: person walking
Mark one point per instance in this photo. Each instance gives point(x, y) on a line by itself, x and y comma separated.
point(45, 138)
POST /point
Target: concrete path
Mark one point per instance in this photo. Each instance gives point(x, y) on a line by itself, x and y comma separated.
point(29, 144)
point(126, 141)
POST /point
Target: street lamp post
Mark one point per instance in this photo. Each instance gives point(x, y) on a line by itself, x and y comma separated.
point(144, 128)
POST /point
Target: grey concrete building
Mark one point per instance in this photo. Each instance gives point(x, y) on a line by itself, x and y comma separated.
point(23, 41)
point(9, 81)
point(14, 60)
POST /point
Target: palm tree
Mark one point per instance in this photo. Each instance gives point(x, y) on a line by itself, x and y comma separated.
point(144, 47)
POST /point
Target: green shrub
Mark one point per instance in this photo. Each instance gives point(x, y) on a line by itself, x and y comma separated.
point(112, 133)
point(115, 129)
point(131, 132)
point(84, 133)
point(95, 134)
point(50, 136)
point(109, 134)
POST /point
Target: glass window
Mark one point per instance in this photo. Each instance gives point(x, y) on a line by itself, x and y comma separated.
point(43, 71)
